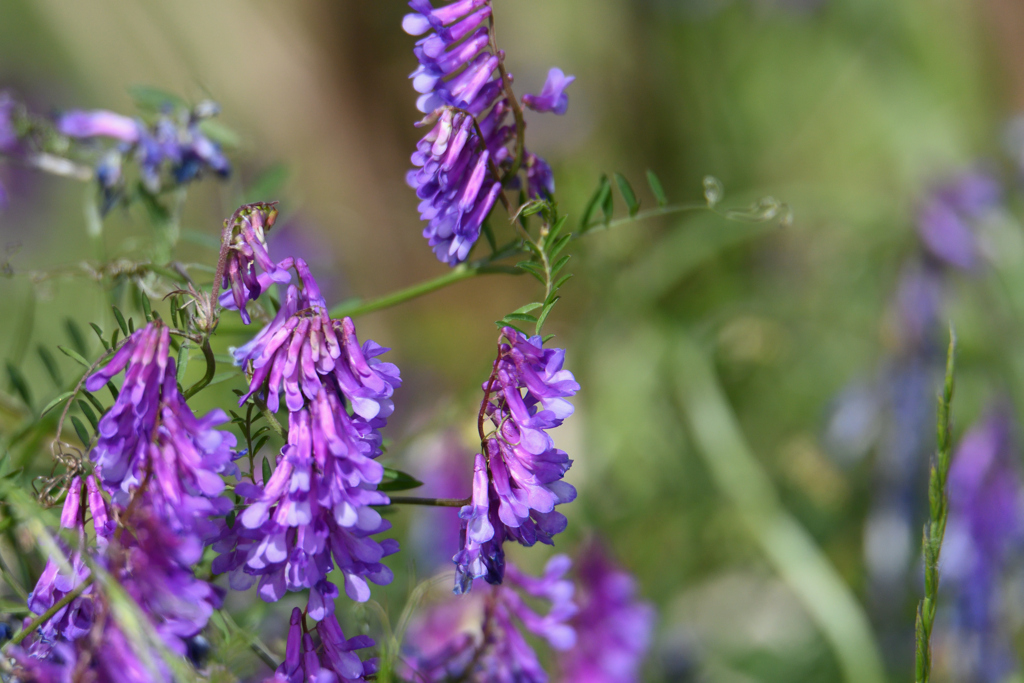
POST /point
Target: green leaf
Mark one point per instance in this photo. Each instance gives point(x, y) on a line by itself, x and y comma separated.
point(225, 376)
point(396, 480)
point(559, 245)
point(561, 281)
point(596, 201)
point(547, 338)
point(51, 365)
point(607, 204)
point(627, 194)
point(656, 188)
point(174, 311)
point(56, 402)
point(113, 337)
point(75, 335)
point(183, 359)
point(19, 384)
point(556, 229)
point(74, 356)
point(155, 99)
point(89, 415)
point(489, 234)
point(713, 190)
point(99, 333)
point(219, 133)
point(267, 185)
point(147, 307)
point(83, 435)
point(559, 265)
point(131, 325)
point(120, 321)
point(267, 473)
point(503, 323)
point(544, 314)
point(259, 446)
point(533, 269)
point(529, 307)
point(524, 317)
point(93, 400)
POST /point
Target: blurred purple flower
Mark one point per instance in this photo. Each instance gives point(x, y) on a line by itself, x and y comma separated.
point(613, 626)
point(946, 221)
point(333, 661)
point(79, 123)
point(442, 649)
point(985, 526)
point(8, 134)
point(460, 161)
point(525, 468)
point(440, 464)
point(552, 97)
point(247, 249)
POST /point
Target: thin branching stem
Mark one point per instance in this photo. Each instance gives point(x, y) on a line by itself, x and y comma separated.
point(45, 616)
point(211, 368)
point(430, 502)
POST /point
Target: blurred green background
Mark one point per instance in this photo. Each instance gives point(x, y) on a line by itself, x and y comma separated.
point(711, 353)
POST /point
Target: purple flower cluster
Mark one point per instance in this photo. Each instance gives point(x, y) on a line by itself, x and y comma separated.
point(613, 627)
point(442, 650)
point(314, 513)
point(947, 220)
point(151, 440)
point(332, 661)
point(8, 135)
point(459, 164)
point(247, 248)
point(172, 151)
point(519, 483)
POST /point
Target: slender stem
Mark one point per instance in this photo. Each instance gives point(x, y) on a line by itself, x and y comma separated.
point(935, 528)
point(211, 368)
point(517, 110)
point(74, 393)
point(271, 418)
point(432, 502)
point(650, 213)
point(45, 616)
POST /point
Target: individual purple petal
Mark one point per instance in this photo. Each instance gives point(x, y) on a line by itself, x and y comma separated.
point(552, 96)
point(87, 124)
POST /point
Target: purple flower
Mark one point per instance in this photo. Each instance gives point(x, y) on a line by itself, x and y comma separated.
point(613, 627)
point(946, 221)
point(247, 249)
point(79, 123)
point(314, 513)
point(459, 164)
point(151, 439)
point(334, 659)
point(984, 528)
point(524, 397)
point(8, 133)
point(478, 638)
point(552, 96)
point(440, 463)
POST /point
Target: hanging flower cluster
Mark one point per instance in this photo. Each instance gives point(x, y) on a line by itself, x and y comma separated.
point(335, 662)
point(518, 483)
point(173, 150)
point(314, 513)
point(462, 162)
point(478, 638)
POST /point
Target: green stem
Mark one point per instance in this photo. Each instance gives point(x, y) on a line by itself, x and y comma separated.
point(211, 368)
point(650, 213)
point(45, 616)
point(935, 528)
point(431, 502)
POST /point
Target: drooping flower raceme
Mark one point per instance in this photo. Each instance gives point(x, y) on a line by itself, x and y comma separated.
point(314, 513)
point(478, 638)
point(332, 659)
point(173, 150)
point(460, 163)
point(524, 397)
point(613, 627)
point(150, 439)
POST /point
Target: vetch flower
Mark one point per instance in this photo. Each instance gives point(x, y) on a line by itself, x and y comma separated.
point(613, 626)
point(79, 123)
point(524, 397)
point(552, 96)
point(947, 221)
point(247, 248)
point(460, 163)
point(332, 660)
point(479, 637)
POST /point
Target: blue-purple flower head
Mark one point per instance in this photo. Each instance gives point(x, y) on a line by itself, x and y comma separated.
point(518, 482)
point(613, 625)
point(315, 512)
point(947, 222)
point(479, 638)
point(151, 435)
point(460, 163)
point(331, 660)
point(173, 150)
